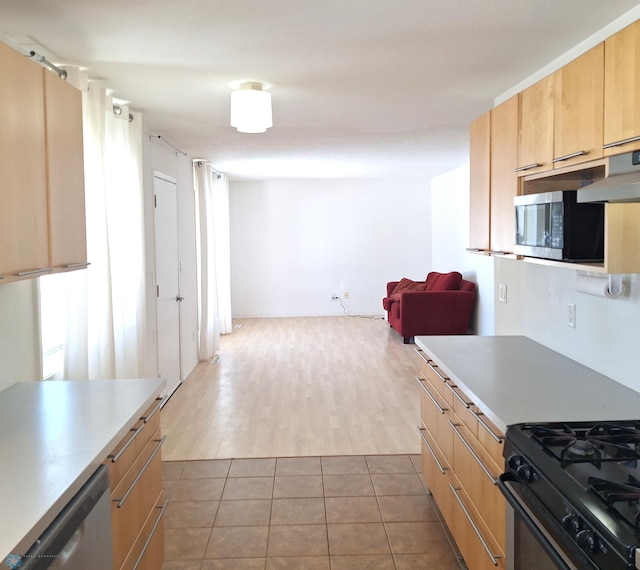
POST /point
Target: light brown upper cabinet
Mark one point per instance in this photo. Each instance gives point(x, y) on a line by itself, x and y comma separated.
point(42, 213)
point(622, 91)
point(493, 144)
point(23, 188)
point(480, 181)
point(535, 128)
point(65, 173)
point(578, 103)
point(504, 181)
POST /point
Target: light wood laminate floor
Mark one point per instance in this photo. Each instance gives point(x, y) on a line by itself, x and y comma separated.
point(290, 387)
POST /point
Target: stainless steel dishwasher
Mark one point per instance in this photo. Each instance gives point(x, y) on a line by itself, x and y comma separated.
point(80, 536)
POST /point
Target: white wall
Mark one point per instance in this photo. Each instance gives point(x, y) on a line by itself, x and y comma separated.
point(158, 156)
point(607, 330)
point(20, 358)
point(450, 236)
point(296, 242)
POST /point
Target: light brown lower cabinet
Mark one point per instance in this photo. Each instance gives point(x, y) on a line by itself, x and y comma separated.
point(137, 503)
point(461, 460)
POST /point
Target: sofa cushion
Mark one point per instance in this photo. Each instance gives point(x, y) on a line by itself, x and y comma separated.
point(403, 285)
point(408, 285)
point(443, 281)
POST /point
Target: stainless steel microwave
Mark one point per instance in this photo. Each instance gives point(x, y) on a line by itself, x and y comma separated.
point(553, 225)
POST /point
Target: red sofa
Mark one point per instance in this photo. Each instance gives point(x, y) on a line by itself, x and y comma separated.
point(440, 305)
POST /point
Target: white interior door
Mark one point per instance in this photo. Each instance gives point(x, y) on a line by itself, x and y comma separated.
point(167, 280)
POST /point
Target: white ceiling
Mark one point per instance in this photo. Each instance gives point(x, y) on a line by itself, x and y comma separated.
point(360, 88)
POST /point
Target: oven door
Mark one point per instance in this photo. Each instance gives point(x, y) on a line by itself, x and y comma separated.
point(535, 540)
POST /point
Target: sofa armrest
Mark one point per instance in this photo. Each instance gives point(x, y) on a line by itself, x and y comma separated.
point(391, 286)
point(442, 312)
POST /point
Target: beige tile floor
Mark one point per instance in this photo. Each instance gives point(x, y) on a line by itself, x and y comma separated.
point(330, 513)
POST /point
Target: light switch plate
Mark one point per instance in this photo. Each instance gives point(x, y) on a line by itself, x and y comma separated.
point(502, 293)
point(571, 315)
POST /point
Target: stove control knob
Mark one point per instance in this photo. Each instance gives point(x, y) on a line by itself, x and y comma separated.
point(525, 473)
point(587, 540)
point(515, 461)
point(572, 524)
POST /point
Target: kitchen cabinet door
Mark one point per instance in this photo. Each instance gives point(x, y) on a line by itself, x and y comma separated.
point(23, 193)
point(65, 172)
point(480, 181)
point(535, 127)
point(504, 181)
point(622, 91)
point(578, 103)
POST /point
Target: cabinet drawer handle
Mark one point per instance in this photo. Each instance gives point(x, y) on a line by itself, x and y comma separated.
point(568, 156)
point(460, 398)
point(470, 449)
point(153, 531)
point(477, 415)
point(492, 557)
point(136, 433)
point(441, 467)
point(77, 265)
point(420, 353)
point(435, 402)
point(141, 473)
point(527, 167)
point(434, 368)
point(430, 364)
point(620, 143)
point(161, 402)
point(40, 271)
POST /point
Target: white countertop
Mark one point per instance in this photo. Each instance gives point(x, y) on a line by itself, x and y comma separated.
point(53, 436)
point(514, 379)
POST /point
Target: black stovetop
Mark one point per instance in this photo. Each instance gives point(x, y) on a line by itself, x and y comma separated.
point(587, 473)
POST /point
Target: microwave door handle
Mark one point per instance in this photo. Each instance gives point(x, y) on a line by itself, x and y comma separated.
point(505, 484)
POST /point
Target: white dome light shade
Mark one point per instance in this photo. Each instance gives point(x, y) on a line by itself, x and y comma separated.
point(251, 109)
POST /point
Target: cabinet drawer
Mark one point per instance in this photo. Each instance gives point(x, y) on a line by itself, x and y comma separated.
point(437, 475)
point(123, 456)
point(134, 498)
point(147, 552)
point(491, 438)
point(464, 410)
point(436, 416)
point(478, 475)
point(439, 380)
point(476, 544)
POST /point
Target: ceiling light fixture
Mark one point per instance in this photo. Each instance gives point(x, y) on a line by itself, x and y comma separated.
point(251, 108)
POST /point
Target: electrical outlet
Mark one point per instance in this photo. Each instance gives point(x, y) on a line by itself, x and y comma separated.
point(346, 294)
point(502, 293)
point(334, 297)
point(571, 315)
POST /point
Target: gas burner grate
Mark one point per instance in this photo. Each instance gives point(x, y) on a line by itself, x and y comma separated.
point(622, 499)
point(591, 443)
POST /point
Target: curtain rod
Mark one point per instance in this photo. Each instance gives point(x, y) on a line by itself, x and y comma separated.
point(41, 59)
point(165, 141)
point(202, 161)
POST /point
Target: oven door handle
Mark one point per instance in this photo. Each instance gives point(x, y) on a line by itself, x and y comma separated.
point(505, 483)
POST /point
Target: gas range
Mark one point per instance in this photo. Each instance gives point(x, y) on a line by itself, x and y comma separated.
point(580, 483)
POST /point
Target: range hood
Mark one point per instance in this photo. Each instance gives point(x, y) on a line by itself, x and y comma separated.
point(622, 184)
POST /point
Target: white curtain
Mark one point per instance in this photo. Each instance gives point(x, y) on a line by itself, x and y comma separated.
point(106, 321)
point(214, 265)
